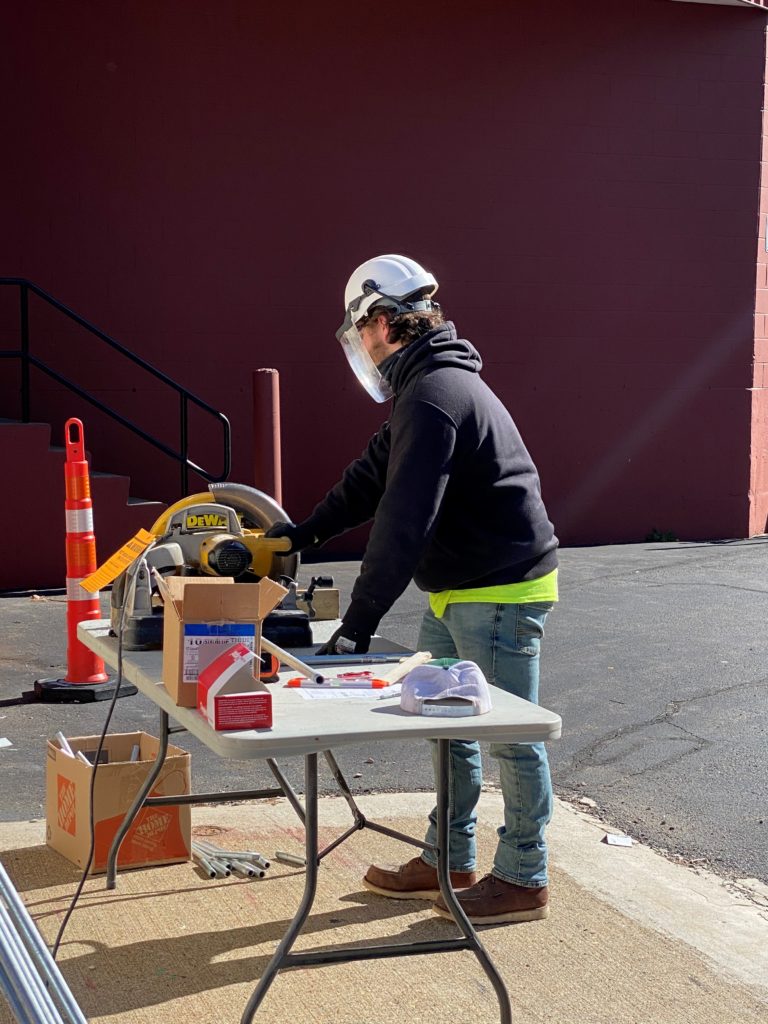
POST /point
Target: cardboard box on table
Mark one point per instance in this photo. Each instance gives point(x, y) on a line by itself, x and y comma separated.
point(159, 835)
point(202, 618)
point(228, 694)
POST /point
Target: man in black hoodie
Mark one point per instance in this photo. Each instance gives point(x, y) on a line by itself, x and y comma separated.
point(456, 506)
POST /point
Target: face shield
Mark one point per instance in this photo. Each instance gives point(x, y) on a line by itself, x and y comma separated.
point(358, 358)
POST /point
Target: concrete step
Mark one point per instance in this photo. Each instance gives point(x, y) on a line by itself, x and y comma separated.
point(35, 558)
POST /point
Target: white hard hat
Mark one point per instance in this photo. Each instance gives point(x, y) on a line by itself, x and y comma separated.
point(395, 282)
point(383, 278)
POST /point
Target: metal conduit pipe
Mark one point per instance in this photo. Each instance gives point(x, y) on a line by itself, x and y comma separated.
point(19, 1011)
point(31, 936)
point(23, 976)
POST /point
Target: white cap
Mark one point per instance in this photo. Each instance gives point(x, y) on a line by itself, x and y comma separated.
point(453, 690)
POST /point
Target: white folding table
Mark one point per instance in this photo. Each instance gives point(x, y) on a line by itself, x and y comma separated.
point(308, 727)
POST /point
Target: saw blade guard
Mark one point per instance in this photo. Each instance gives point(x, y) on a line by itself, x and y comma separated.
point(258, 511)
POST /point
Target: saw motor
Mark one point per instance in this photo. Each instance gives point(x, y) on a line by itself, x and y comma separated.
point(219, 533)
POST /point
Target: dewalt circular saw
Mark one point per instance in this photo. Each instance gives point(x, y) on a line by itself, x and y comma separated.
point(219, 532)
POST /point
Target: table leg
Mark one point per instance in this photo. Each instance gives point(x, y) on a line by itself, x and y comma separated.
point(135, 807)
point(310, 886)
point(360, 820)
point(461, 919)
point(286, 787)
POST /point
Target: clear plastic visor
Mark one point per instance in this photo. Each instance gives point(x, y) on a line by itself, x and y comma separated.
point(358, 358)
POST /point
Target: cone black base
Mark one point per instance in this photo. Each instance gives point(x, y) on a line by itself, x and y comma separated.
point(59, 691)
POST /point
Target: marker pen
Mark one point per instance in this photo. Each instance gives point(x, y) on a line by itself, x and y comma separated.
point(340, 684)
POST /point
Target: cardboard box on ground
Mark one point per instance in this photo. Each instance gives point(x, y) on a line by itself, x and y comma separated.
point(203, 619)
point(159, 835)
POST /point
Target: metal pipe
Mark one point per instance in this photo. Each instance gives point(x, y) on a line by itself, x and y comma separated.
point(24, 978)
point(242, 871)
point(203, 844)
point(259, 863)
point(220, 867)
point(291, 858)
point(222, 854)
point(203, 862)
point(292, 660)
point(266, 423)
point(19, 1010)
point(27, 928)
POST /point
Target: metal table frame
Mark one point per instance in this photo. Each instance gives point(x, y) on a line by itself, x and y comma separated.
point(511, 719)
point(283, 958)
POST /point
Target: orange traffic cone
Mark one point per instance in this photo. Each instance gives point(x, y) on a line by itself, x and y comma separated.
point(86, 679)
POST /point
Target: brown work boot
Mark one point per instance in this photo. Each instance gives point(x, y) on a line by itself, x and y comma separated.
point(415, 880)
point(494, 901)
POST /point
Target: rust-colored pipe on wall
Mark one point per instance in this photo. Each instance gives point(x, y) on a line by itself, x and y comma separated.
point(267, 465)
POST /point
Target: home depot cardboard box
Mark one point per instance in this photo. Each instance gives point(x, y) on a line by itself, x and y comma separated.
point(159, 835)
point(203, 619)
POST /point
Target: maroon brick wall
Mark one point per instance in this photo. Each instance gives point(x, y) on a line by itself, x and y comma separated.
point(199, 179)
point(759, 447)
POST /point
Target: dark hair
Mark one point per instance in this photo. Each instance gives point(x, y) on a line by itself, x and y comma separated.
point(407, 327)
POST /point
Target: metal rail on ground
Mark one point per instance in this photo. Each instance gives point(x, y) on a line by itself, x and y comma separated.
point(32, 984)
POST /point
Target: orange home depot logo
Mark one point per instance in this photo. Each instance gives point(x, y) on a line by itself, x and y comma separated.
point(66, 814)
point(150, 830)
point(155, 835)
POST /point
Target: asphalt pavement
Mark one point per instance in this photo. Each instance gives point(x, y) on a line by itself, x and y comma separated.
point(655, 658)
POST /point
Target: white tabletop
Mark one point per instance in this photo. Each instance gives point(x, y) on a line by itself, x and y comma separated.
point(303, 726)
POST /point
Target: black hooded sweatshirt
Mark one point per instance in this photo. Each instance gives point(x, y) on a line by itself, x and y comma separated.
point(452, 490)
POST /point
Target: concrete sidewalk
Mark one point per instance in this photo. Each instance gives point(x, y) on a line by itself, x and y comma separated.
point(631, 939)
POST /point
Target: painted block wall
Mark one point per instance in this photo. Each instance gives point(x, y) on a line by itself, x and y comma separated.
point(200, 179)
point(759, 445)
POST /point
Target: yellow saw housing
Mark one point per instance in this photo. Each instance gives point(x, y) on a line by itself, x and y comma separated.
point(252, 507)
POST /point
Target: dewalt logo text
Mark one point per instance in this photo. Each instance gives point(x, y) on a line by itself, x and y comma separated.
point(208, 520)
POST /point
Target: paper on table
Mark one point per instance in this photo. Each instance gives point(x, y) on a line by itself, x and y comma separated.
point(338, 692)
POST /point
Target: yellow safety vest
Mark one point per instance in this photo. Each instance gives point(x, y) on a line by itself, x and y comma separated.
point(527, 592)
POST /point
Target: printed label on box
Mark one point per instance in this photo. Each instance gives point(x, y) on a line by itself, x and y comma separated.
point(205, 641)
point(67, 806)
point(151, 832)
point(155, 835)
point(243, 711)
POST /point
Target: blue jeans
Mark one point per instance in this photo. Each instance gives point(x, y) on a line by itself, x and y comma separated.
point(504, 640)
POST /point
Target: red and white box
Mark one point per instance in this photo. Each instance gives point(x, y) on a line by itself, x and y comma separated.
point(229, 696)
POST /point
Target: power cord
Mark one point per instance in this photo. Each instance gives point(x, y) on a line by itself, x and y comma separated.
point(130, 585)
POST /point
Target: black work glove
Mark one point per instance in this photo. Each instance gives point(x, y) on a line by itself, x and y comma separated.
point(301, 536)
point(346, 641)
point(357, 627)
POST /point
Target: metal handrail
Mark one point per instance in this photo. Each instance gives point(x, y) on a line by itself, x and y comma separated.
point(185, 396)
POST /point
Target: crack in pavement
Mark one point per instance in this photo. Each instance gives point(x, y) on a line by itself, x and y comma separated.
point(565, 586)
point(586, 756)
point(705, 583)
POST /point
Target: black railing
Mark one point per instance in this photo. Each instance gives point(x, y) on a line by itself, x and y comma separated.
point(24, 354)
